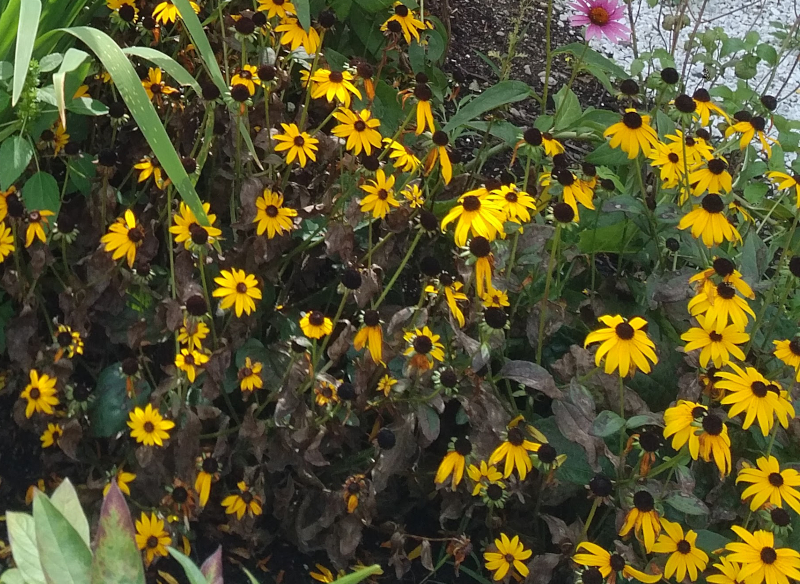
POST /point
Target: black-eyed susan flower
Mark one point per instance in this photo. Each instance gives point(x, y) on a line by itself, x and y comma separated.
point(484, 475)
point(148, 426)
point(647, 442)
point(478, 213)
point(370, 335)
point(325, 392)
point(752, 128)
point(785, 181)
point(642, 519)
point(279, 8)
point(521, 439)
point(705, 107)
point(510, 553)
point(68, 341)
point(190, 361)
point(37, 221)
point(402, 157)
point(548, 459)
point(55, 138)
point(409, 24)
point(294, 35)
point(715, 346)
point(517, 204)
point(4, 195)
point(249, 375)
point(632, 134)
point(147, 168)
point(481, 250)
point(123, 238)
point(154, 85)
point(123, 479)
point(725, 269)
point(125, 11)
point(625, 345)
point(680, 424)
point(297, 144)
point(180, 498)
point(451, 289)
point(770, 484)
point(454, 462)
point(697, 149)
point(207, 473)
point(760, 560)
point(721, 304)
point(713, 177)
point(438, 152)
point(271, 216)
point(187, 230)
point(574, 190)
point(40, 394)
point(714, 443)
point(424, 348)
point(685, 557)
point(788, 351)
point(707, 221)
point(51, 435)
point(334, 85)
point(151, 537)
point(359, 129)
point(315, 324)
point(610, 565)
point(494, 298)
point(354, 487)
point(668, 158)
point(413, 195)
point(385, 384)
point(192, 333)
point(424, 94)
point(245, 501)
point(750, 393)
point(247, 76)
point(380, 195)
point(237, 289)
point(726, 572)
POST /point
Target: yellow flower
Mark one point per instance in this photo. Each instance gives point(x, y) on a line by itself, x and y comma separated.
point(509, 553)
point(761, 561)
point(154, 86)
point(714, 443)
point(481, 249)
point(151, 537)
point(148, 427)
point(494, 298)
point(632, 133)
point(122, 478)
point(380, 198)
point(770, 484)
point(610, 564)
point(187, 229)
point(147, 169)
point(752, 393)
point(278, 8)
point(668, 158)
point(713, 178)
point(424, 348)
point(624, 345)
point(403, 158)
point(325, 393)
point(37, 220)
point(697, 149)
point(516, 448)
point(643, 519)
point(51, 435)
point(749, 129)
point(453, 294)
point(708, 221)
point(333, 85)
point(272, 216)
point(439, 142)
point(516, 203)
point(386, 383)
point(575, 190)
point(129, 14)
point(189, 361)
point(123, 238)
point(298, 144)
point(684, 554)
point(478, 213)
point(370, 335)
point(354, 487)
point(716, 346)
point(359, 129)
point(788, 351)
point(242, 502)
point(166, 13)
point(250, 375)
point(406, 22)
point(207, 473)
point(296, 36)
point(413, 195)
point(56, 138)
point(237, 289)
point(40, 394)
point(12, 190)
point(247, 76)
point(552, 147)
point(483, 476)
point(454, 462)
point(680, 423)
point(705, 107)
point(785, 181)
point(324, 575)
point(727, 572)
point(721, 304)
point(424, 112)
point(315, 325)
point(192, 333)
point(68, 341)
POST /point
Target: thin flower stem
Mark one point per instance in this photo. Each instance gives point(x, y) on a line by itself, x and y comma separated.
point(398, 132)
point(402, 265)
point(333, 326)
point(202, 262)
point(369, 245)
point(168, 239)
point(548, 281)
point(621, 468)
point(304, 113)
point(592, 511)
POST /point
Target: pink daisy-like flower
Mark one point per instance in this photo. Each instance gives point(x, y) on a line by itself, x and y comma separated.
point(601, 17)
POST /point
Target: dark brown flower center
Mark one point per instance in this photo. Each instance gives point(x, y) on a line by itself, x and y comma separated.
point(775, 479)
point(717, 165)
point(152, 541)
point(644, 501)
point(758, 123)
point(210, 465)
point(509, 558)
point(768, 555)
point(794, 346)
point(471, 203)
point(592, 576)
point(35, 393)
point(479, 247)
point(180, 495)
point(440, 138)
point(715, 336)
point(383, 194)
point(423, 344)
point(245, 372)
point(617, 562)
point(64, 339)
point(360, 126)
point(632, 119)
point(516, 436)
point(673, 158)
point(336, 77)
point(713, 425)
point(759, 389)
point(136, 234)
point(271, 211)
point(463, 446)
point(547, 454)
point(247, 497)
point(726, 291)
point(149, 427)
point(354, 488)
point(684, 546)
point(624, 331)
point(723, 267)
point(598, 15)
point(649, 441)
point(702, 95)
point(371, 318)
point(241, 288)
point(299, 141)
point(401, 10)
point(712, 203)
point(316, 318)
point(699, 412)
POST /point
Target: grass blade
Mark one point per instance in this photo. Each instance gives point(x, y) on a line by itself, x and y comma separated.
point(9, 17)
point(131, 90)
point(167, 63)
point(27, 28)
point(72, 60)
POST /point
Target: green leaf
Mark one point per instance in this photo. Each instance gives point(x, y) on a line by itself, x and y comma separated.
point(22, 536)
point(16, 153)
point(250, 576)
point(688, 504)
point(754, 192)
point(767, 53)
point(66, 559)
point(27, 28)
point(605, 155)
point(593, 57)
point(81, 172)
point(131, 90)
point(607, 423)
point(212, 567)
point(709, 541)
point(746, 67)
point(108, 413)
point(428, 421)
point(13, 576)
point(503, 93)
point(8, 25)
point(303, 13)
point(193, 573)
point(72, 60)
point(116, 555)
point(568, 108)
point(374, 5)
point(65, 499)
point(41, 192)
point(359, 575)
point(168, 64)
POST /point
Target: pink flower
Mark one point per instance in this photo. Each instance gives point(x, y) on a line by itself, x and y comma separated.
point(601, 17)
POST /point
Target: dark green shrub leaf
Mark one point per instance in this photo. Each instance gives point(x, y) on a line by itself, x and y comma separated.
point(15, 152)
point(41, 192)
point(607, 423)
point(503, 93)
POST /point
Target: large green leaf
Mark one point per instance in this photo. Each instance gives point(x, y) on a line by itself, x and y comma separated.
point(66, 559)
point(109, 411)
point(193, 573)
point(65, 499)
point(303, 13)
point(359, 575)
point(72, 60)
point(41, 192)
point(13, 576)
point(22, 536)
point(27, 28)
point(116, 556)
point(498, 95)
point(131, 90)
point(8, 28)
point(16, 152)
point(167, 63)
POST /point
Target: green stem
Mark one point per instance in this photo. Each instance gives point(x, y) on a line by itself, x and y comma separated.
point(622, 432)
point(399, 131)
point(168, 239)
point(202, 263)
point(333, 326)
point(592, 511)
point(402, 265)
point(548, 281)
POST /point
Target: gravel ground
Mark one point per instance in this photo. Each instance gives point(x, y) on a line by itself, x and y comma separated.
point(737, 18)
